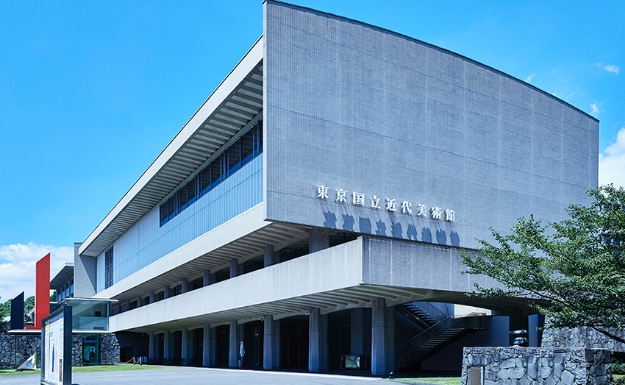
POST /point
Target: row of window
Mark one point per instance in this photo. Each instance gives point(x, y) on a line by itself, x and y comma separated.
point(241, 152)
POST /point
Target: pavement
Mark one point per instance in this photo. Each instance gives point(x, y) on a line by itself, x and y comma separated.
point(202, 376)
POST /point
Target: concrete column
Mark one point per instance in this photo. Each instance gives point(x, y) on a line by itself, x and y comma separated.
point(152, 297)
point(357, 332)
point(152, 353)
point(168, 351)
point(317, 241)
point(277, 345)
point(209, 347)
point(382, 338)
point(209, 278)
point(185, 351)
point(234, 268)
point(317, 341)
point(234, 344)
point(185, 285)
point(271, 257)
point(166, 292)
point(268, 344)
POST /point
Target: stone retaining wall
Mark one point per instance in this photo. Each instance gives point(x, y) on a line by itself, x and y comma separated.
point(582, 336)
point(553, 366)
point(15, 349)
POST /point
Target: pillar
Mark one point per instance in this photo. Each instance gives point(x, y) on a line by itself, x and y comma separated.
point(233, 268)
point(185, 285)
point(271, 257)
point(166, 292)
point(185, 353)
point(208, 278)
point(269, 344)
point(234, 345)
point(152, 353)
point(357, 332)
point(152, 297)
point(382, 338)
point(209, 346)
point(168, 351)
point(317, 241)
point(317, 341)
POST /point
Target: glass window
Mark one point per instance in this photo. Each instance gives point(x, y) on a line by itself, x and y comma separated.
point(247, 146)
point(215, 172)
point(108, 268)
point(205, 178)
point(234, 157)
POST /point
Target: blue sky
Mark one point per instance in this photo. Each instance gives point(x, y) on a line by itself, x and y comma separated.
point(91, 92)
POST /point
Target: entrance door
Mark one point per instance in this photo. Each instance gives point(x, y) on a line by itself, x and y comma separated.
point(253, 340)
point(294, 342)
point(91, 350)
point(223, 345)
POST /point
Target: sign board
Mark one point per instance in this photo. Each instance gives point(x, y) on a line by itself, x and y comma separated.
point(56, 347)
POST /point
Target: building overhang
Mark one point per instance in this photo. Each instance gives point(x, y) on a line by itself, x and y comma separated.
point(62, 276)
point(351, 275)
point(235, 102)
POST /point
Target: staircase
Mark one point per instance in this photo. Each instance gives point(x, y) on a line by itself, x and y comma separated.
point(427, 313)
point(412, 353)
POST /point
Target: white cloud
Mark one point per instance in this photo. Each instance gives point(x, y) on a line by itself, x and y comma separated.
point(612, 68)
point(612, 162)
point(594, 109)
point(530, 77)
point(17, 266)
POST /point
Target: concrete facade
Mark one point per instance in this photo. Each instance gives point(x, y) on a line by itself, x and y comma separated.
point(382, 158)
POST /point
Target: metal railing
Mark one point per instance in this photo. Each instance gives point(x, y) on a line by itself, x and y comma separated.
point(418, 341)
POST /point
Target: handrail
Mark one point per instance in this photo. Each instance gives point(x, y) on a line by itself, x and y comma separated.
point(427, 307)
point(444, 325)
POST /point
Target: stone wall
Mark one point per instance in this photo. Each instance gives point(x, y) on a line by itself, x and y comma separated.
point(15, 349)
point(521, 365)
point(582, 337)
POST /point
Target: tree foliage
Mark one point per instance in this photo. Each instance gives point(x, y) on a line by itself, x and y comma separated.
point(577, 265)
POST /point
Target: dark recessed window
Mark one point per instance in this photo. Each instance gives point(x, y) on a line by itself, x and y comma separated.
point(241, 152)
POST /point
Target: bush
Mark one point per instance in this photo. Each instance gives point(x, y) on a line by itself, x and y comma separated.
point(619, 379)
point(618, 367)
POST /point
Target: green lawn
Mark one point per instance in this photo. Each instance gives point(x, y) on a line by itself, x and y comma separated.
point(85, 369)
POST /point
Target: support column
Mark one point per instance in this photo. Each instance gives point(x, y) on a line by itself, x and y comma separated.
point(166, 292)
point(271, 257)
point(234, 346)
point(277, 357)
point(208, 278)
point(152, 297)
point(268, 344)
point(357, 332)
point(209, 347)
point(382, 338)
point(233, 268)
point(152, 353)
point(168, 353)
point(317, 241)
point(317, 341)
point(185, 285)
point(184, 354)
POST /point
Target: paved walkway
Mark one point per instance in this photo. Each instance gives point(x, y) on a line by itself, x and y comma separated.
point(202, 376)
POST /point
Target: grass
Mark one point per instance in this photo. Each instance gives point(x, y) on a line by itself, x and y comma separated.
point(85, 369)
point(430, 380)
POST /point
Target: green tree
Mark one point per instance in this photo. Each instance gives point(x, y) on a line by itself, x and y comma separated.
point(577, 265)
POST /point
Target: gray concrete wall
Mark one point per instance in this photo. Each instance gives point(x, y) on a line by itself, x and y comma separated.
point(85, 274)
point(354, 107)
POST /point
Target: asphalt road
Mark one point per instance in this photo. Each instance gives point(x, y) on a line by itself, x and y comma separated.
point(200, 376)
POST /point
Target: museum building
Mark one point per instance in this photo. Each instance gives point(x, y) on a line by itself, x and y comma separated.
point(311, 213)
